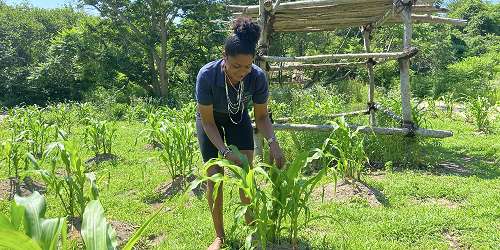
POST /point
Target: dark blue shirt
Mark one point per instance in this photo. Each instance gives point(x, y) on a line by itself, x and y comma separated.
point(210, 87)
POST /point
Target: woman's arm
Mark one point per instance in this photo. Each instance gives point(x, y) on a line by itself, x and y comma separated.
point(208, 123)
point(264, 125)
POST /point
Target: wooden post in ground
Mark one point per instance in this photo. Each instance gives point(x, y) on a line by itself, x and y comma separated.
point(404, 74)
point(371, 80)
point(404, 65)
point(265, 8)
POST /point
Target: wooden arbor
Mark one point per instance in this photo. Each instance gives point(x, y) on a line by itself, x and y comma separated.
point(327, 15)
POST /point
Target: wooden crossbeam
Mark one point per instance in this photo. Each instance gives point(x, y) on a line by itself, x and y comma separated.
point(389, 55)
point(314, 66)
point(352, 113)
point(366, 130)
point(254, 9)
point(388, 113)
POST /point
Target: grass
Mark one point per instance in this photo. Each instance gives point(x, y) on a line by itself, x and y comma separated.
point(413, 215)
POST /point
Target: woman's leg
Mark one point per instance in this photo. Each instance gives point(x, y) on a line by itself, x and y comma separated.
point(209, 151)
point(216, 207)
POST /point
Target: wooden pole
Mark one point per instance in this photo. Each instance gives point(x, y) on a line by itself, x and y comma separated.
point(404, 65)
point(265, 6)
point(371, 80)
point(389, 55)
point(365, 129)
point(331, 116)
point(388, 113)
point(318, 66)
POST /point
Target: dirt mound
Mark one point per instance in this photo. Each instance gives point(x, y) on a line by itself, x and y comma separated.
point(345, 191)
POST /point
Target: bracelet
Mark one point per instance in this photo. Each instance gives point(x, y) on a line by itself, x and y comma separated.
point(225, 151)
point(271, 140)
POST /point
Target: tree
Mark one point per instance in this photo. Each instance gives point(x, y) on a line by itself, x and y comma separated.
point(150, 24)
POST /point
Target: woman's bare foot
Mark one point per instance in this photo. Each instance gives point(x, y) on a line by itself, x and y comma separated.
point(217, 244)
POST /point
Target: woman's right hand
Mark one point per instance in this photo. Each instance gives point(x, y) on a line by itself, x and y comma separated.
point(230, 156)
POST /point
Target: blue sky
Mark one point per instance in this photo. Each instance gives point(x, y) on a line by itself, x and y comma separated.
point(42, 3)
point(61, 3)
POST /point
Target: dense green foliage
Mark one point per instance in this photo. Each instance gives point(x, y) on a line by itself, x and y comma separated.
point(65, 54)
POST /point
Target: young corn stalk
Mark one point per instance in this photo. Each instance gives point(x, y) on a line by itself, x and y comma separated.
point(62, 116)
point(276, 209)
point(478, 109)
point(178, 147)
point(99, 137)
point(38, 133)
point(68, 184)
point(448, 100)
point(346, 147)
point(419, 113)
point(11, 153)
point(153, 121)
point(431, 106)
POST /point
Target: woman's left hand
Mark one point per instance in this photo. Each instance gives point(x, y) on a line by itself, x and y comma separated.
point(276, 154)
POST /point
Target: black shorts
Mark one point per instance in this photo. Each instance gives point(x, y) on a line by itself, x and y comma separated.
point(240, 135)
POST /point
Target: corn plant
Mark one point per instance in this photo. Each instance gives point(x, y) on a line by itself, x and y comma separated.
point(99, 136)
point(12, 155)
point(97, 233)
point(38, 232)
point(290, 195)
point(38, 136)
point(419, 113)
point(69, 184)
point(274, 210)
point(478, 109)
point(448, 100)
point(431, 106)
point(245, 179)
point(84, 111)
point(38, 132)
point(178, 147)
point(153, 122)
point(346, 146)
point(62, 116)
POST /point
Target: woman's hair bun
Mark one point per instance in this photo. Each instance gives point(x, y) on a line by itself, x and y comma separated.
point(246, 30)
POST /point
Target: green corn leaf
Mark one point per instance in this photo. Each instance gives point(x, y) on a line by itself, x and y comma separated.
point(138, 234)
point(111, 238)
point(194, 184)
point(15, 240)
point(94, 194)
point(34, 207)
point(5, 223)
point(16, 216)
point(33, 161)
point(51, 230)
point(293, 171)
point(94, 227)
point(242, 157)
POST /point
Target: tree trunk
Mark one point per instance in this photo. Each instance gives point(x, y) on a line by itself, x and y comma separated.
point(153, 72)
point(162, 67)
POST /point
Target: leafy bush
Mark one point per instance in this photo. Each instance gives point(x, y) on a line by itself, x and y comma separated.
point(470, 77)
